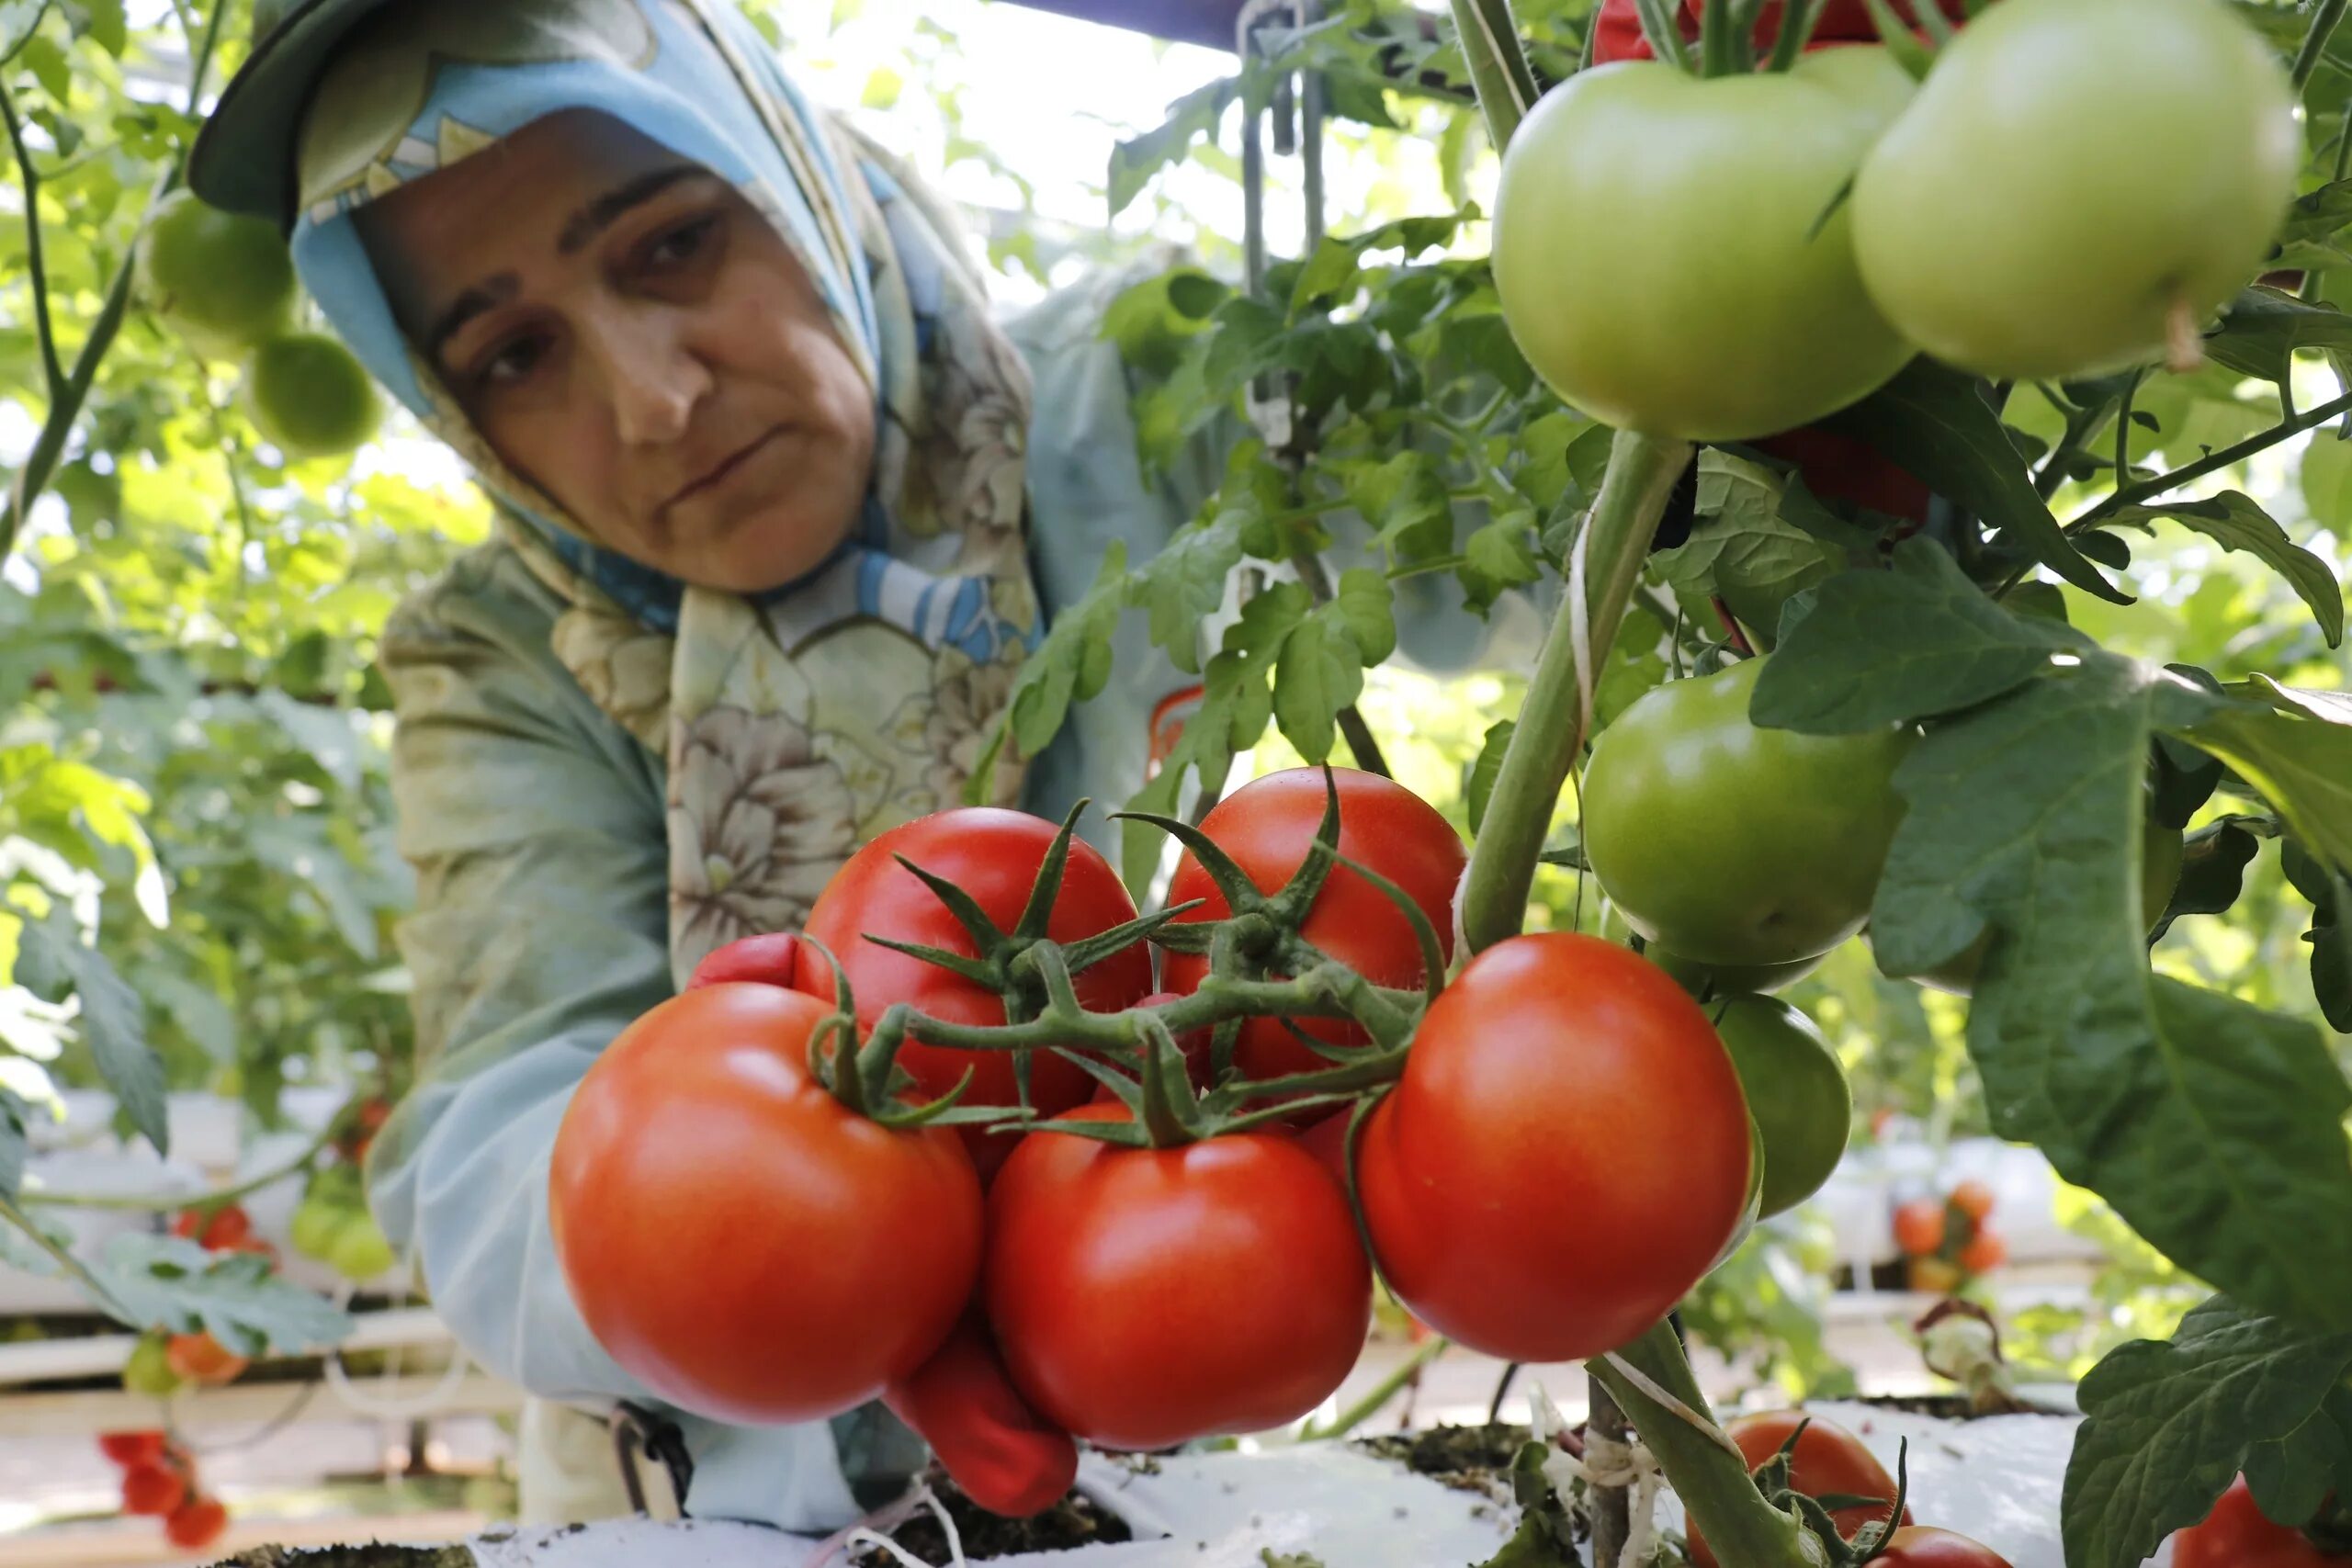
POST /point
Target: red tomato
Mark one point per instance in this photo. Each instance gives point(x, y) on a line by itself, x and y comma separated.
point(992, 855)
point(2237, 1534)
point(1005, 1456)
point(1146, 1297)
point(1919, 1227)
point(1923, 1546)
point(1828, 1459)
point(131, 1447)
point(1984, 1253)
point(1267, 825)
point(772, 959)
point(1842, 22)
point(152, 1490)
point(222, 1230)
point(196, 1523)
point(1566, 1153)
point(1973, 1198)
point(200, 1359)
point(1842, 468)
point(1326, 1139)
point(737, 1238)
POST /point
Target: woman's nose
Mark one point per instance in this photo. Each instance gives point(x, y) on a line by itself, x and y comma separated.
point(653, 380)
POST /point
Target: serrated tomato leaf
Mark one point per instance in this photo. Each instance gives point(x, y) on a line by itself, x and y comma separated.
point(52, 958)
point(2167, 1426)
point(2237, 521)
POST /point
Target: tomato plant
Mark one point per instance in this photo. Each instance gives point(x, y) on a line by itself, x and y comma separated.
point(1266, 827)
point(2237, 1534)
point(1731, 843)
point(700, 1167)
point(993, 856)
point(1796, 1090)
point(1828, 1460)
point(1566, 1151)
point(1144, 1297)
point(2026, 218)
point(1655, 254)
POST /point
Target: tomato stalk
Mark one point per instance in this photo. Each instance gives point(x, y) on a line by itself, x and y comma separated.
point(1556, 716)
point(1499, 68)
point(1707, 1470)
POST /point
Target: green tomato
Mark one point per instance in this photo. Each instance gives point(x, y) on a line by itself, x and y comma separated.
point(310, 396)
point(2077, 183)
point(1731, 844)
point(1796, 1091)
point(2160, 855)
point(1655, 252)
point(360, 1250)
point(316, 1223)
point(224, 281)
point(1729, 979)
point(149, 1369)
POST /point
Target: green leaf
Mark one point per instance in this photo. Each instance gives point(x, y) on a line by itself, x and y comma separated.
point(2237, 521)
point(2291, 1477)
point(173, 1284)
point(45, 58)
point(101, 20)
point(1185, 584)
point(1191, 117)
point(2213, 1128)
point(1880, 648)
point(17, 19)
point(322, 733)
point(1330, 273)
point(1498, 556)
point(1318, 674)
point(1366, 605)
point(2213, 871)
point(2167, 1426)
point(16, 1120)
point(2265, 326)
point(2330, 936)
point(1933, 421)
point(1480, 785)
point(1056, 670)
point(1741, 547)
point(2301, 765)
point(1249, 338)
point(2318, 215)
point(52, 958)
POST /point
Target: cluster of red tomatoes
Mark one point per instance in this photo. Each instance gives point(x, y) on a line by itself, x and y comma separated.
point(159, 1480)
point(1564, 1151)
point(1947, 1241)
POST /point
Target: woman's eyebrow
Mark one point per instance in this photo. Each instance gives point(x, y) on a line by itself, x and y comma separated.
point(598, 215)
point(473, 303)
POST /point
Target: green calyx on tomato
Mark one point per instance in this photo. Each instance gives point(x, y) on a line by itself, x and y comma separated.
point(2161, 849)
point(1789, 1451)
point(1728, 843)
point(2078, 185)
point(1671, 254)
point(1796, 1090)
point(1566, 1153)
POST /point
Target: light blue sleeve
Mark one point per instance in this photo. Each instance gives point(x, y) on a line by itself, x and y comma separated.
point(536, 825)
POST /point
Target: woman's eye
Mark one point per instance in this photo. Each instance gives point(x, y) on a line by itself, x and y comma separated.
point(680, 244)
point(511, 362)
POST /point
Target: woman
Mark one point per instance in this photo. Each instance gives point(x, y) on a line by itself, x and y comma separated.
point(768, 479)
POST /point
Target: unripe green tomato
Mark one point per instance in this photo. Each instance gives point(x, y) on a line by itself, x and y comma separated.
point(149, 1369)
point(1731, 979)
point(1731, 844)
point(316, 1224)
point(1796, 1091)
point(311, 395)
point(1656, 249)
point(224, 281)
point(2160, 855)
point(360, 1251)
point(2077, 183)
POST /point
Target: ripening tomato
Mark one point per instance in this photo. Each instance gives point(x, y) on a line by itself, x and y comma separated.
point(2237, 1534)
point(1828, 1460)
point(1566, 1153)
point(737, 1238)
point(1841, 467)
point(1919, 1227)
point(1619, 26)
point(152, 1489)
point(1923, 1546)
point(224, 1229)
point(1731, 843)
point(994, 856)
point(1973, 1198)
point(1143, 1298)
point(1267, 825)
point(196, 1523)
point(2078, 184)
point(1984, 1253)
point(1933, 1276)
point(202, 1358)
point(131, 1447)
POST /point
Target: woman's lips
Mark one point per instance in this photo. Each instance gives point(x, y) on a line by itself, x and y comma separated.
point(727, 466)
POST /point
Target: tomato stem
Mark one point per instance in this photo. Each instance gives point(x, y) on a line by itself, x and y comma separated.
point(1555, 718)
point(1499, 68)
point(1703, 1465)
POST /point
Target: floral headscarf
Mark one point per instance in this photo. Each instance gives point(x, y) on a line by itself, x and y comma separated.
point(801, 723)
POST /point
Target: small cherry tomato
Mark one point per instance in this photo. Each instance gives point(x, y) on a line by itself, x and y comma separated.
point(152, 1490)
point(1984, 1253)
point(196, 1524)
point(200, 1359)
point(131, 1447)
point(1973, 1198)
point(1919, 1227)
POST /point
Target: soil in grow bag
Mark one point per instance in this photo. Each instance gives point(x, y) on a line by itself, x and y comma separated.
point(352, 1557)
point(1468, 1459)
point(1074, 1521)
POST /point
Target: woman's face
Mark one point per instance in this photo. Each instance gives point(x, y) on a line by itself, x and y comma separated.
point(629, 333)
